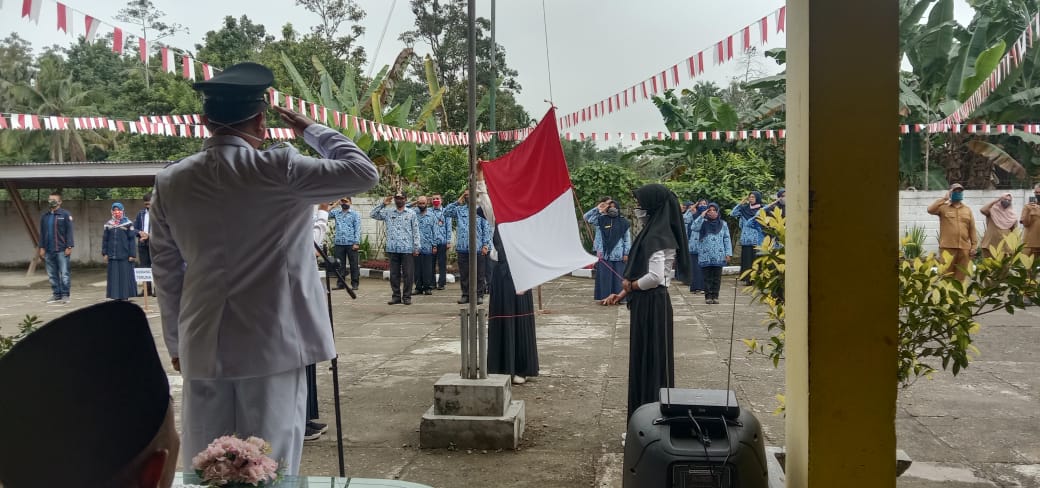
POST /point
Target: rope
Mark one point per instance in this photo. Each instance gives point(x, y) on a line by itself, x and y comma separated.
point(732, 327)
point(548, 67)
point(382, 36)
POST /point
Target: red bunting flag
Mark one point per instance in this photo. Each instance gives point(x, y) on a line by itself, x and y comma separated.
point(729, 48)
point(64, 17)
point(675, 75)
point(92, 25)
point(188, 67)
point(207, 73)
point(167, 60)
point(747, 38)
point(781, 19)
point(31, 9)
point(764, 26)
point(142, 46)
point(117, 40)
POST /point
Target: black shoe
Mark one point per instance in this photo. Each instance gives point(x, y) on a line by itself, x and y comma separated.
point(440, 287)
point(354, 287)
point(407, 301)
point(395, 301)
point(340, 286)
point(464, 300)
point(310, 434)
point(318, 426)
point(427, 292)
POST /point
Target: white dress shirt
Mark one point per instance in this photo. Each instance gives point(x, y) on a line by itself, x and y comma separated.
point(232, 253)
point(657, 272)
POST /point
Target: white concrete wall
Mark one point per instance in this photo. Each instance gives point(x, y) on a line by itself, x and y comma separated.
point(89, 217)
point(913, 210)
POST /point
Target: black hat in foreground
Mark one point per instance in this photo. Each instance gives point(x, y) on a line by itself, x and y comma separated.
point(81, 397)
point(235, 94)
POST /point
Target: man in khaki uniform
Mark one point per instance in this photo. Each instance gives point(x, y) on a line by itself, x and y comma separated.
point(957, 234)
point(1031, 223)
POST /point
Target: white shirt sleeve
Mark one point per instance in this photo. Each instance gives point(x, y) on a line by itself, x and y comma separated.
point(655, 275)
point(484, 202)
point(321, 226)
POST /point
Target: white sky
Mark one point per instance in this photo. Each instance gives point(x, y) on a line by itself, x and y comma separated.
point(596, 47)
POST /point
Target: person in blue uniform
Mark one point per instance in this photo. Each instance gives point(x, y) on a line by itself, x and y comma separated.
point(751, 233)
point(459, 212)
point(424, 280)
point(241, 301)
point(611, 242)
point(402, 245)
point(119, 248)
point(347, 241)
point(442, 236)
point(714, 250)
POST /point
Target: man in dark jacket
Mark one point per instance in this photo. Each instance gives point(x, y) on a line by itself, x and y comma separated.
point(143, 224)
point(56, 246)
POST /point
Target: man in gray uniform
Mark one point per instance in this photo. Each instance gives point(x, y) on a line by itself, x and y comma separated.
point(242, 306)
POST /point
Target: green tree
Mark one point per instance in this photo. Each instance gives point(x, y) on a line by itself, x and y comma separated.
point(445, 170)
point(595, 180)
point(235, 42)
point(16, 68)
point(332, 14)
point(147, 17)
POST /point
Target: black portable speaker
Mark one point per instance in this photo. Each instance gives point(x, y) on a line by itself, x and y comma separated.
point(694, 439)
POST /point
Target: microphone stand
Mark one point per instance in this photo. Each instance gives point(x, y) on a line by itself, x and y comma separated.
point(329, 264)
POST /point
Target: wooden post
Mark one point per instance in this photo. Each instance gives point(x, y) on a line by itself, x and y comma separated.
point(30, 227)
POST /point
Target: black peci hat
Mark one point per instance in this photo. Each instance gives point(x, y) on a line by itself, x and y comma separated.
point(90, 381)
point(235, 94)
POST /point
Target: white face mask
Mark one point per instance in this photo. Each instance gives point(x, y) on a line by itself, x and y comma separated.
point(640, 213)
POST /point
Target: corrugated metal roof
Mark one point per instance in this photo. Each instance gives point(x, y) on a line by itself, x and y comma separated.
point(98, 174)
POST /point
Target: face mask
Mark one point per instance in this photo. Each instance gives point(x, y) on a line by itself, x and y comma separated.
point(641, 214)
point(53, 203)
point(956, 196)
point(422, 208)
point(117, 214)
point(436, 203)
point(344, 206)
point(399, 203)
point(612, 212)
point(241, 133)
point(1005, 203)
point(783, 200)
point(702, 208)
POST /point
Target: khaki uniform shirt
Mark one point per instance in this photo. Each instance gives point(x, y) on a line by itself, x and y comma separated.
point(1031, 226)
point(956, 225)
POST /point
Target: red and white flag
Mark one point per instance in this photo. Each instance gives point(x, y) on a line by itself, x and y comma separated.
point(64, 18)
point(167, 60)
point(142, 46)
point(92, 25)
point(188, 67)
point(531, 191)
point(207, 73)
point(31, 9)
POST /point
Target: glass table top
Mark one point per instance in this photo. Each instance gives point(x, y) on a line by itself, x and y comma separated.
point(191, 480)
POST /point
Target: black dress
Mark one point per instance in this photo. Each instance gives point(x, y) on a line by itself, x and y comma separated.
point(511, 338)
point(651, 365)
point(119, 244)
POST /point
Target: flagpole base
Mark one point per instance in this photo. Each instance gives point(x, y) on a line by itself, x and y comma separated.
point(473, 414)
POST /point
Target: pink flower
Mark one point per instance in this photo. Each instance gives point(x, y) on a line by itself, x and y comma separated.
point(230, 460)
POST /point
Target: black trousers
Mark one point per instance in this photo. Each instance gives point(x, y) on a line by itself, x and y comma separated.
point(344, 254)
point(464, 274)
point(423, 272)
point(712, 281)
point(144, 260)
point(312, 392)
point(440, 260)
point(402, 270)
point(747, 259)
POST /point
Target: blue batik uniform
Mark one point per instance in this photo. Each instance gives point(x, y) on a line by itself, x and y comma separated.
point(427, 231)
point(460, 213)
point(402, 229)
point(348, 227)
point(611, 264)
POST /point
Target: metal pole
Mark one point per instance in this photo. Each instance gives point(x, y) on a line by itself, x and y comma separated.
point(482, 343)
point(463, 334)
point(494, 85)
point(474, 252)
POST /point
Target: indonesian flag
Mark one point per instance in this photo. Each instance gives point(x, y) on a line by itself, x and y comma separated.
point(31, 9)
point(117, 40)
point(167, 60)
point(207, 73)
point(188, 67)
point(533, 201)
point(92, 25)
point(143, 48)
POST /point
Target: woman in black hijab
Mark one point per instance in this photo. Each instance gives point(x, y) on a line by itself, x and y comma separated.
point(660, 244)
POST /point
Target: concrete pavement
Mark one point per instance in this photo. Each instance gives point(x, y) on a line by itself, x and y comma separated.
point(981, 428)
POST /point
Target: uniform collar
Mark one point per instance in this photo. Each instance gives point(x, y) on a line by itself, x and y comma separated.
point(225, 140)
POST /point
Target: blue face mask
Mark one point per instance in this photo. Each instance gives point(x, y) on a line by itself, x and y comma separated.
point(702, 208)
point(956, 196)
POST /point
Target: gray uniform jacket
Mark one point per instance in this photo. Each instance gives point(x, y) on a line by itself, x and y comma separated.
point(233, 254)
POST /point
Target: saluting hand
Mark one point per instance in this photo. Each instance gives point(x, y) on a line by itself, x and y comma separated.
point(298, 122)
point(387, 200)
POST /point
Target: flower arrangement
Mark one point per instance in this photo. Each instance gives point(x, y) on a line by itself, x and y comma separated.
point(232, 462)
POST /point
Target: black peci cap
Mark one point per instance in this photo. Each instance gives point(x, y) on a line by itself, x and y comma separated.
point(235, 94)
point(91, 380)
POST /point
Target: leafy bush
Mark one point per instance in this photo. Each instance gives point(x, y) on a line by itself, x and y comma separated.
point(595, 180)
point(28, 325)
point(937, 313)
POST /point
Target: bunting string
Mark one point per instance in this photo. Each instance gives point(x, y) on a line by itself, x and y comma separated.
point(690, 68)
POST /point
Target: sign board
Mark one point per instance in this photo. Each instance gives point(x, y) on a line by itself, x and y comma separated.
point(142, 274)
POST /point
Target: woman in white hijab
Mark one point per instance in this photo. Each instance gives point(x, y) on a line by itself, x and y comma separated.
point(1001, 219)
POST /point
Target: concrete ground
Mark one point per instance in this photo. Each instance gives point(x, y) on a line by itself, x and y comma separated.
point(981, 428)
